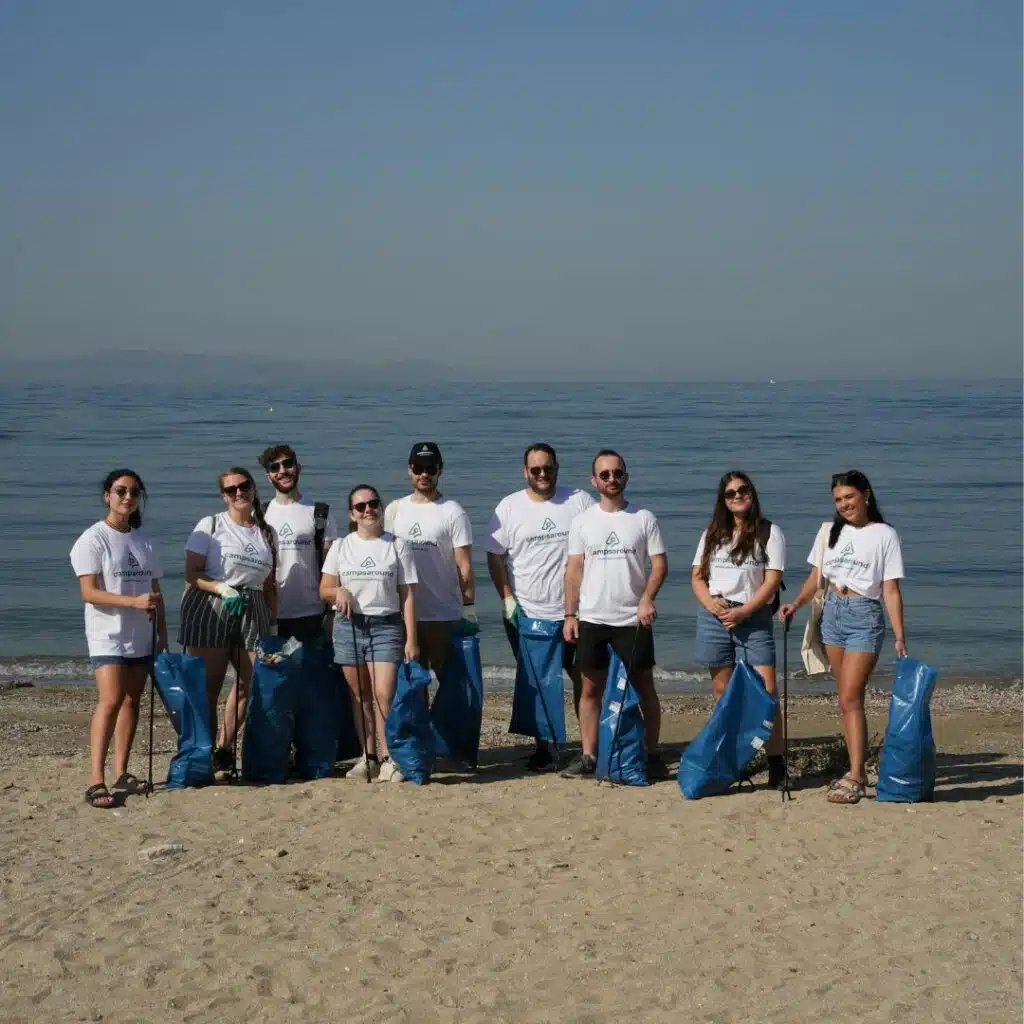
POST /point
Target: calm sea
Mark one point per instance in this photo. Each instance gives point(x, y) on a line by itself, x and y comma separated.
point(945, 460)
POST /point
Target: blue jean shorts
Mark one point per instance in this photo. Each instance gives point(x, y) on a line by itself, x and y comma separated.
point(101, 660)
point(368, 639)
point(752, 641)
point(853, 623)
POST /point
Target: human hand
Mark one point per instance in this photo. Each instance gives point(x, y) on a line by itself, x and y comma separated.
point(718, 606)
point(732, 617)
point(786, 612)
point(470, 623)
point(412, 651)
point(510, 609)
point(571, 629)
point(148, 602)
point(646, 613)
point(901, 649)
point(343, 602)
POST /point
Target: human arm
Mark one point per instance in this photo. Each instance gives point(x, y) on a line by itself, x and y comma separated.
point(764, 594)
point(892, 597)
point(407, 597)
point(646, 613)
point(573, 579)
point(806, 592)
point(498, 572)
point(716, 605)
point(91, 587)
point(464, 567)
point(334, 594)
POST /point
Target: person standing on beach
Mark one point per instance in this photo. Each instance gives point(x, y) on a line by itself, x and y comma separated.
point(229, 600)
point(859, 559)
point(527, 544)
point(609, 599)
point(737, 572)
point(439, 533)
point(119, 577)
point(304, 532)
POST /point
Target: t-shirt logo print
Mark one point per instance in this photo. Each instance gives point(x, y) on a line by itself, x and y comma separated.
point(416, 532)
point(250, 549)
point(286, 531)
point(133, 562)
point(367, 563)
point(612, 539)
point(548, 525)
point(848, 550)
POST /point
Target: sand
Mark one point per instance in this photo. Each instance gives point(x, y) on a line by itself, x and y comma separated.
point(503, 896)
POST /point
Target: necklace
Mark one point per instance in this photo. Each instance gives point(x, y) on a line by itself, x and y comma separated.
point(120, 529)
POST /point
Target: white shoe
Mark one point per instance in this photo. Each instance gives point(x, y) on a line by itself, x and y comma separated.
point(363, 768)
point(389, 772)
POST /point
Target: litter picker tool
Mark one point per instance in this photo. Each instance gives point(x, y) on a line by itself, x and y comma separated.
point(786, 794)
point(152, 687)
point(362, 702)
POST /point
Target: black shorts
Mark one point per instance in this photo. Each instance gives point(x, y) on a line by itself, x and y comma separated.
point(633, 644)
point(568, 650)
point(306, 628)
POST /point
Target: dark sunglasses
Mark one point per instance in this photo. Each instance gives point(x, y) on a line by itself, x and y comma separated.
point(276, 467)
point(423, 469)
point(609, 474)
point(362, 506)
point(123, 491)
point(739, 492)
point(549, 470)
point(232, 489)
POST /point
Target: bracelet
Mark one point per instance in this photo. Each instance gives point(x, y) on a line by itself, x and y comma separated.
point(571, 615)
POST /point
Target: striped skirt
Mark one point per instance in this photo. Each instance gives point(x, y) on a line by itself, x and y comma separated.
point(205, 623)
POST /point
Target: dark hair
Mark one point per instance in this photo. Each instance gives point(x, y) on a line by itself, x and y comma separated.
point(856, 479)
point(359, 487)
point(602, 454)
point(722, 527)
point(276, 451)
point(540, 447)
point(257, 510)
point(135, 518)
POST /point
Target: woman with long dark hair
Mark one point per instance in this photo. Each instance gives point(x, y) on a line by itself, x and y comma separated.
point(229, 600)
point(858, 556)
point(737, 572)
point(118, 573)
point(370, 579)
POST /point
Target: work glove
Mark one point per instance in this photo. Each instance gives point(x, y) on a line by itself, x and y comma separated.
point(234, 603)
point(510, 608)
point(469, 624)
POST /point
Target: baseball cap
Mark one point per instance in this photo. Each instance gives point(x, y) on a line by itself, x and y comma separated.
point(426, 451)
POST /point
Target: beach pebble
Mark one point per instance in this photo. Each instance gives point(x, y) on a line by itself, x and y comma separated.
point(275, 851)
point(161, 850)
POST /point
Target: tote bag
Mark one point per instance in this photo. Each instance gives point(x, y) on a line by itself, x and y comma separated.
point(812, 650)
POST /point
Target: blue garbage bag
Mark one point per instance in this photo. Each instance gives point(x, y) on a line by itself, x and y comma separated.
point(318, 711)
point(458, 709)
point(180, 680)
point(538, 703)
point(907, 770)
point(407, 728)
point(270, 716)
point(621, 747)
point(738, 728)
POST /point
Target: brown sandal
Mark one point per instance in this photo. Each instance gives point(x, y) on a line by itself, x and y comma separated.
point(100, 797)
point(845, 791)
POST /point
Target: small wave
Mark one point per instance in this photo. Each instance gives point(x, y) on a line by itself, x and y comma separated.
point(45, 669)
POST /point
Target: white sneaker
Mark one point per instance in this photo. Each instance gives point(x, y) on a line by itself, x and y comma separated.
point(389, 772)
point(363, 768)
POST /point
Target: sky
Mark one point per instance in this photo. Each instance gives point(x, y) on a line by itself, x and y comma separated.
point(551, 190)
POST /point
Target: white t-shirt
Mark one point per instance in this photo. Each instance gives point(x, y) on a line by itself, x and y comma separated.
point(534, 537)
point(371, 570)
point(740, 582)
point(862, 559)
point(298, 569)
point(128, 564)
point(615, 546)
point(236, 555)
point(433, 529)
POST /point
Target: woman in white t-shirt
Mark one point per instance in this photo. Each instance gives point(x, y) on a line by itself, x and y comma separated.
point(118, 573)
point(229, 600)
point(736, 575)
point(858, 556)
point(370, 578)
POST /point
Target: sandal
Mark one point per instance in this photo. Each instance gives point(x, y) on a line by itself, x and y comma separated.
point(845, 791)
point(100, 797)
point(131, 785)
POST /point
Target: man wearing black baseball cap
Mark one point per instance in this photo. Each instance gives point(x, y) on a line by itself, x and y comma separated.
point(438, 531)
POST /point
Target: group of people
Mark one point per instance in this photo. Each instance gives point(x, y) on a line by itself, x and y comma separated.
point(399, 584)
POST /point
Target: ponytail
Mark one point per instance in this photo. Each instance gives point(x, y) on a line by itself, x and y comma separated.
point(266, 529)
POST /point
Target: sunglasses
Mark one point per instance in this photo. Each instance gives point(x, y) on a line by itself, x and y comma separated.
point(423, 469)
point(276, 467)
point(612, 474)
point(739, 492)
point(232, 489)
point(131, 492)
point(549, 470)
point(362, 506)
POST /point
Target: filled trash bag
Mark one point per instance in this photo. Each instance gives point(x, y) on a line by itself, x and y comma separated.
point(717, 757)
point(318, 711)
point(407, 728)
point(621, 747)
point(538, 702)
point(458, 709)
point(180, 680)
point(906, 773)
point(270, 713)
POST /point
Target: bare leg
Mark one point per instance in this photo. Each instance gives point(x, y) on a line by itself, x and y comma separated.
point(852, 679)
point(216, 661)
point(385, 681)
point(110, 684)
point(361, 692)
point(773, 747)
point(720, 676)
point(590, 710)
point(134, 680)
point(650, 706)
point(235, 715)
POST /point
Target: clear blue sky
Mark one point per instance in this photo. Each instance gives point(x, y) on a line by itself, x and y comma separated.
point(679, 190)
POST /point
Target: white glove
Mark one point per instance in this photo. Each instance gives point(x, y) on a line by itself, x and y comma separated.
point(225, 591)
point(470, 623)
point(511, 609)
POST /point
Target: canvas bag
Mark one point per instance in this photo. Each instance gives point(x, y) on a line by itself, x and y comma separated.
point(812, 650)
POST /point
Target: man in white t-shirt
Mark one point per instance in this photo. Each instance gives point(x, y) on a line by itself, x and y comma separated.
point(609, 600)
point(527, 543)
point(438, 531)
point(304, 534)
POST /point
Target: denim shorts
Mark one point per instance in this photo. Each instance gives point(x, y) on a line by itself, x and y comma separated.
point(853, 623)
point(100, 660)
point(368, 639)
point(752, 641)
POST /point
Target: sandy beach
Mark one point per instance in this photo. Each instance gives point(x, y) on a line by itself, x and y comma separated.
point(504, 896)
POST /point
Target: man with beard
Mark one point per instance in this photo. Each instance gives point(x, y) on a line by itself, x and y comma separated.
point(526, 556)
point(304, 534)
point(609, 600)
